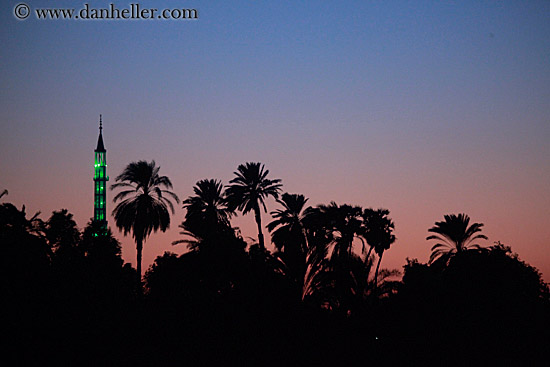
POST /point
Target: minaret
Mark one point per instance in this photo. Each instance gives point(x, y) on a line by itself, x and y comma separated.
point(100, 181)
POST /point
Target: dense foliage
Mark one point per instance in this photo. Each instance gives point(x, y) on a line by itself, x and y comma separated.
point(320, 298)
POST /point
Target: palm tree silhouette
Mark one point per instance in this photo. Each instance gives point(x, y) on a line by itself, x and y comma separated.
point(331, 231)
point(249, 189)
point(378, 233)
point(208, 203)
point(207, 214)
point(297, 229)
point(364, 286)
point(289, 236)
point(343, 224)
point(144, 203)
point(455, 236)
point(287, 229)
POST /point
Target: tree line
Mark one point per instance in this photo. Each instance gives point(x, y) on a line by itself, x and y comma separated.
point(320, 297)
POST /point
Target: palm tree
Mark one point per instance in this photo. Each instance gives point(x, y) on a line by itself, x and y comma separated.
point(208, 203)
point(331, 231)
point(378, 233)
point(288, 234)
point(343, 224)
point(144, 203)
point(249, 189)
point(207, 213)
point(296, 229)
point(364, 286)
point(455, 235)
point(287, 230)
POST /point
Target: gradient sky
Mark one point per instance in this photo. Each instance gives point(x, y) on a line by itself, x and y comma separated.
point(422, 108)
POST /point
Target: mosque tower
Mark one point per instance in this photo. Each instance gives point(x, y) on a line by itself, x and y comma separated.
point(100, 181)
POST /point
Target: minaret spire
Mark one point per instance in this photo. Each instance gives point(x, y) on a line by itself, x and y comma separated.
point(100, 146)
point(100, 182)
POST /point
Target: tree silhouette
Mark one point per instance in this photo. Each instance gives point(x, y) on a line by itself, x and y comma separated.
point(486, 300)
point(144, 202)
point(207, 217)
point(364, 286)
point(249, 189)
point(63, 235)
point(289, 235)
point(208, 204)
point(287, 228)
point(100, 247)
point(110, 282)
point(213, 268)
point(378, 233)
point(342, 224)
point(319, 239)
point(25, 282)
point(331, 231)
point(455, 235)
point(24, 253)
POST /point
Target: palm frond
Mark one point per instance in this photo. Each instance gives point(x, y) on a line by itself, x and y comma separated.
point(456, 235)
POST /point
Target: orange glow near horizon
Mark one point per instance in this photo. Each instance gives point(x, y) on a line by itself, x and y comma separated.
point(423, 109)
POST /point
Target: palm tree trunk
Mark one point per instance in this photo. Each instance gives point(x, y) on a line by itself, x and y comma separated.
point(376, 272)
point(368, 253)
point(259, 223)
point(139, 248)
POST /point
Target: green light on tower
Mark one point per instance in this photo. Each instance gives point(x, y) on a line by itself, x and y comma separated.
point(100, 181)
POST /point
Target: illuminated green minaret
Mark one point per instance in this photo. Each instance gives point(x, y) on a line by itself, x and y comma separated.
point(100, 181)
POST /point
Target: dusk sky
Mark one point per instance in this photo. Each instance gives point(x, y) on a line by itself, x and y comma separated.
point(423, 108)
